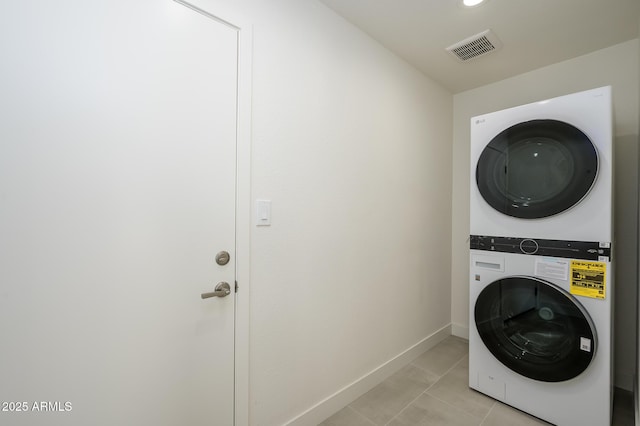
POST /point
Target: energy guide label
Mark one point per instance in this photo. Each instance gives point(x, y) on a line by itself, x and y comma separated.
point(588, 279)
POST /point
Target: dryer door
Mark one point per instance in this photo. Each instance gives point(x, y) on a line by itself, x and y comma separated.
point(537, 169)
point(535, 328)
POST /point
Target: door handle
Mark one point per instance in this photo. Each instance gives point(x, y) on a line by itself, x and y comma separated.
point(222, 290)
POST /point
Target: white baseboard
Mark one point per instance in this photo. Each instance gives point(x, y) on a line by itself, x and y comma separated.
point(460, 331)
point(334, 403)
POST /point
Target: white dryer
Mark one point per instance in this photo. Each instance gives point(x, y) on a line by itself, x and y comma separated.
point(544, 170)
point(540, 337)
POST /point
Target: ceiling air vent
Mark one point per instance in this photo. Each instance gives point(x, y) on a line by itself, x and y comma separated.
point(474, 46)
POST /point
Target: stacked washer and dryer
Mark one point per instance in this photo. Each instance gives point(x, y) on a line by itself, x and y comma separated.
point(541, 282)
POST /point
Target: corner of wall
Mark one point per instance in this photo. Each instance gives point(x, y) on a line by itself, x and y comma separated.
point(351, 392)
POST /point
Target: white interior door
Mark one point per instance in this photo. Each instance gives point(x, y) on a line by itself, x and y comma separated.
point(117, 189)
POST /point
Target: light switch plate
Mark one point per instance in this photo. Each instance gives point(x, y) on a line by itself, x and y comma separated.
point(263, 212)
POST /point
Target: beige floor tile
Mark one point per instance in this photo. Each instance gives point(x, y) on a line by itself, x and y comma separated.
point(502, 414)
point(347, 417)
point(430, 411)
point(439, 359)
point(453, 388)
point(387, 399)
point(433, 390)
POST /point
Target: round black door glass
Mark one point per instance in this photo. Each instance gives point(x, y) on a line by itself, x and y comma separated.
point(535, 328)
point(537, 169)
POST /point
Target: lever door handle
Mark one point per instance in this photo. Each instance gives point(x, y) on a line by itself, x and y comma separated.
point(222, 290)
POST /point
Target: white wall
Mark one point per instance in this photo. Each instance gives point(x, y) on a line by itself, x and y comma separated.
point(616, 66)
point(353, 147)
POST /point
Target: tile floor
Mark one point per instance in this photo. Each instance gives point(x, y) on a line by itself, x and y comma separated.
point(433, 390)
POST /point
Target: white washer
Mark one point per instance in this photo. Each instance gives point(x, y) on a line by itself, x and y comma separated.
point(544, 170)
point(536, 346)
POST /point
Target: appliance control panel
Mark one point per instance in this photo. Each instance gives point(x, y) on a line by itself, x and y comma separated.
point(586, 250)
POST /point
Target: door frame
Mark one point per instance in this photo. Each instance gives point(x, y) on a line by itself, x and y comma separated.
point(244, 31)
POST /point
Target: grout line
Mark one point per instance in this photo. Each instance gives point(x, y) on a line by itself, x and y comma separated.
point(407, 406)
point(439, 377)
point(362, 415)
point(482, 419)
point(445, 373)
point(429, 387)
point(461, 410)
point(456, 364)
point(488, 413)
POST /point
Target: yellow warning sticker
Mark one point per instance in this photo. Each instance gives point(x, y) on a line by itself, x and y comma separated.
point(588, 279)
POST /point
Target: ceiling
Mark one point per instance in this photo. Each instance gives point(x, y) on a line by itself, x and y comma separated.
point(533, 33)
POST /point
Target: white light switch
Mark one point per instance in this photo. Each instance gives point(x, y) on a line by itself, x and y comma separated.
point(263, 212)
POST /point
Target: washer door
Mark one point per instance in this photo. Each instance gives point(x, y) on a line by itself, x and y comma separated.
point(535, 328)
point(537, 169)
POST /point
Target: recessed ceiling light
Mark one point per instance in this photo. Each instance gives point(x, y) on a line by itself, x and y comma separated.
point(471, 3)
